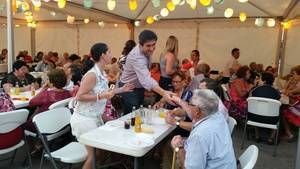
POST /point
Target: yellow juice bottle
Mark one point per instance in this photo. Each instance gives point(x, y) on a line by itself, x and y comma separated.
point(138, 123)
point(17, 89)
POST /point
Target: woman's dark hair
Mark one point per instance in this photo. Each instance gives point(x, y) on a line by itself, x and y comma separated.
point(77, 73)
point(179, 74)
point(87, 65)
point(129, 45)
point(269, 67)
point(197, 52)
point(267, 77)
point(146, 36)
point(73, 57)
point(153, 65)
point(97, 50)
point(58, 78)
point(242, 72)
point(234, 50)
point(18, 64)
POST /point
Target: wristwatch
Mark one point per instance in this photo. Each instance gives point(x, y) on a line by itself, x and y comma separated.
point(177, 122)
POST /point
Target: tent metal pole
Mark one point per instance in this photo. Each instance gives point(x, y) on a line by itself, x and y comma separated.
point(281, 51)
point(197, 35)
point(289, 9)
point(131, 29)
point(32, 41)
point(10, 35)
point(78, 39)
point(142, 10)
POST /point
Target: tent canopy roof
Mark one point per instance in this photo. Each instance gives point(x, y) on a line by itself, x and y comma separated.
point(121, 14)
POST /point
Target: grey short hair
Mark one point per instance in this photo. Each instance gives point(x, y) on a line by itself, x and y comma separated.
point(206, 100)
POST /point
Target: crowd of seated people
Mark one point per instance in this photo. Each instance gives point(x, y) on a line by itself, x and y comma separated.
point(196, 98)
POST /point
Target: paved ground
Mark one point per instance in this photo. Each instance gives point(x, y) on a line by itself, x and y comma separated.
point(285, 156)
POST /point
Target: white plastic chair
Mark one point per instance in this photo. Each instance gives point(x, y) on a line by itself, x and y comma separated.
point(264, 110)
point(9, 121)
point(249, 157)
point(61, 103)
point(231, 123)
point(51, 122)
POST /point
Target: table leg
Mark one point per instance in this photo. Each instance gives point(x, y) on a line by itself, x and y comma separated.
point(298, 151)
point(94, 159)
point(136, 163)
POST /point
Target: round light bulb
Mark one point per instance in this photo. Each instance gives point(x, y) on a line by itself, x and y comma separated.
point(52, 13)
point(29, 18)
point(101, 24)
point(86, 20)
point(170, 6)
point(70, 19)
point(243, 1)
point(132, 4)
point(137, 23)
point(155, 3)
point(205, 2)
point(193, 4)
point(61, 3)
point(36, 3)
point(164, 12)
point(228, 13)
point(176, 2)
point(150, 20)
point(271, 22)
point(259, 22)
point(111, 4)
point(287, 25)
point(156, 17)
point(87, 3)
point(210, 10)
point(243, 17)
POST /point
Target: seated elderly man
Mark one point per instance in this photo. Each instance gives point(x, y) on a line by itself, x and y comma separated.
point(209, 145)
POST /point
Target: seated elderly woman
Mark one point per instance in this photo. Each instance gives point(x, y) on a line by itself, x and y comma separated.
point(19, 77)
point(180, 91)
point(239, 91)
point(265, 90)
point(204, 147)
point(51, 93)
point(292, 113)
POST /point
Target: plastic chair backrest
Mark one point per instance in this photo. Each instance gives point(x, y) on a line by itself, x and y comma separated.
point(225, 89)
point(52, 121)
point(263, 106)
point(12, 119)
point(61, 103)
point(231, 124)
point(249, 157)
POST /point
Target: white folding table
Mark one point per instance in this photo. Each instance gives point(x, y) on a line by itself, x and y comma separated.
point(115, 139)
point(23, 95)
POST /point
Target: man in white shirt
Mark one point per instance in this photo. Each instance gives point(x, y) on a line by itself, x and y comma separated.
point(232, 65)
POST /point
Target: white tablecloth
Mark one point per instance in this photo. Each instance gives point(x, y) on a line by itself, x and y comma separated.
point(115, 139)
point(19, 103)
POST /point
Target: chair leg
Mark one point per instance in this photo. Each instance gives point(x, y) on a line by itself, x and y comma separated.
point(13, 157)
point(28, 155)
point(42, 159)
point(276, 143)
point(244, 133)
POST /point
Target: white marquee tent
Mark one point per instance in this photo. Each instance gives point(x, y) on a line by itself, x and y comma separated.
point(214, 35)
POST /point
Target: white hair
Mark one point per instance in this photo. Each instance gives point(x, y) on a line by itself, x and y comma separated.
point(206, 100)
